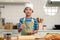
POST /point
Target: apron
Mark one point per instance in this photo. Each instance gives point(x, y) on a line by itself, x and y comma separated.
point(28, 27)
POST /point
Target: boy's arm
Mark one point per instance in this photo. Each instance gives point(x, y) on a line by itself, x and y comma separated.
point(19, 30)
point(20, 26)
point(35, 26)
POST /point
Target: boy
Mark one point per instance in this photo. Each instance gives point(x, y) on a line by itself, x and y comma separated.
point(28, 25)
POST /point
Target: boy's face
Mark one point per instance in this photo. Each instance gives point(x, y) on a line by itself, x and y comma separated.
point(28, 11)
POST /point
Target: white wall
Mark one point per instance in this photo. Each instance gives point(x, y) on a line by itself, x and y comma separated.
point(14, 13)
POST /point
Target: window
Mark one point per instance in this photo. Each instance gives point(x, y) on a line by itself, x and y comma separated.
point(55, 0)
point(51, 10)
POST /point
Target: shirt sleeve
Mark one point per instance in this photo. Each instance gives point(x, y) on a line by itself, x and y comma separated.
point(20, 22)
point(35, 24)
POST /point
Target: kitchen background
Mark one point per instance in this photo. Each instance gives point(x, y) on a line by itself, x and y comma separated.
point(12, 13)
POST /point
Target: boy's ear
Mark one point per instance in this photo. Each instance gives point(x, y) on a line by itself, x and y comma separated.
point(32, 11)
point(24, 11)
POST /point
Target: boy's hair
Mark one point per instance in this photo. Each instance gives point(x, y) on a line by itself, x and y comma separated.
point(25, 9)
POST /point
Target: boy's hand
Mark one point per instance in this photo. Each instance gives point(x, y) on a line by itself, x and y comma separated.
point(19, 30)
point(22, 26)
point(30, 32)
point(35, 31)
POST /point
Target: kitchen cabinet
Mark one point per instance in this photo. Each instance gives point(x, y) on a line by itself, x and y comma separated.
point(13, 1)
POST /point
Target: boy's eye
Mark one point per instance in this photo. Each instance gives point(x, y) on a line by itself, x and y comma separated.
point(29, 9)
point(26, 9)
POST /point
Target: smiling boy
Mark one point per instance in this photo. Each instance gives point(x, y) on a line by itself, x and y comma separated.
point(28, 25)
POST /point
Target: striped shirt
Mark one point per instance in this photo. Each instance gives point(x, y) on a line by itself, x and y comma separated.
point(29, 20)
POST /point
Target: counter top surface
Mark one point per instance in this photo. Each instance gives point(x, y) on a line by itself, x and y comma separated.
point(14, 32)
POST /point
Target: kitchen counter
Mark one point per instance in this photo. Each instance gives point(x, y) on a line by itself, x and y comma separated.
point(17, 36)
point(14, 32)
point(42, 33)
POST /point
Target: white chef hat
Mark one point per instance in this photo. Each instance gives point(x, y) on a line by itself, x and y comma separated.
point(30, 5)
